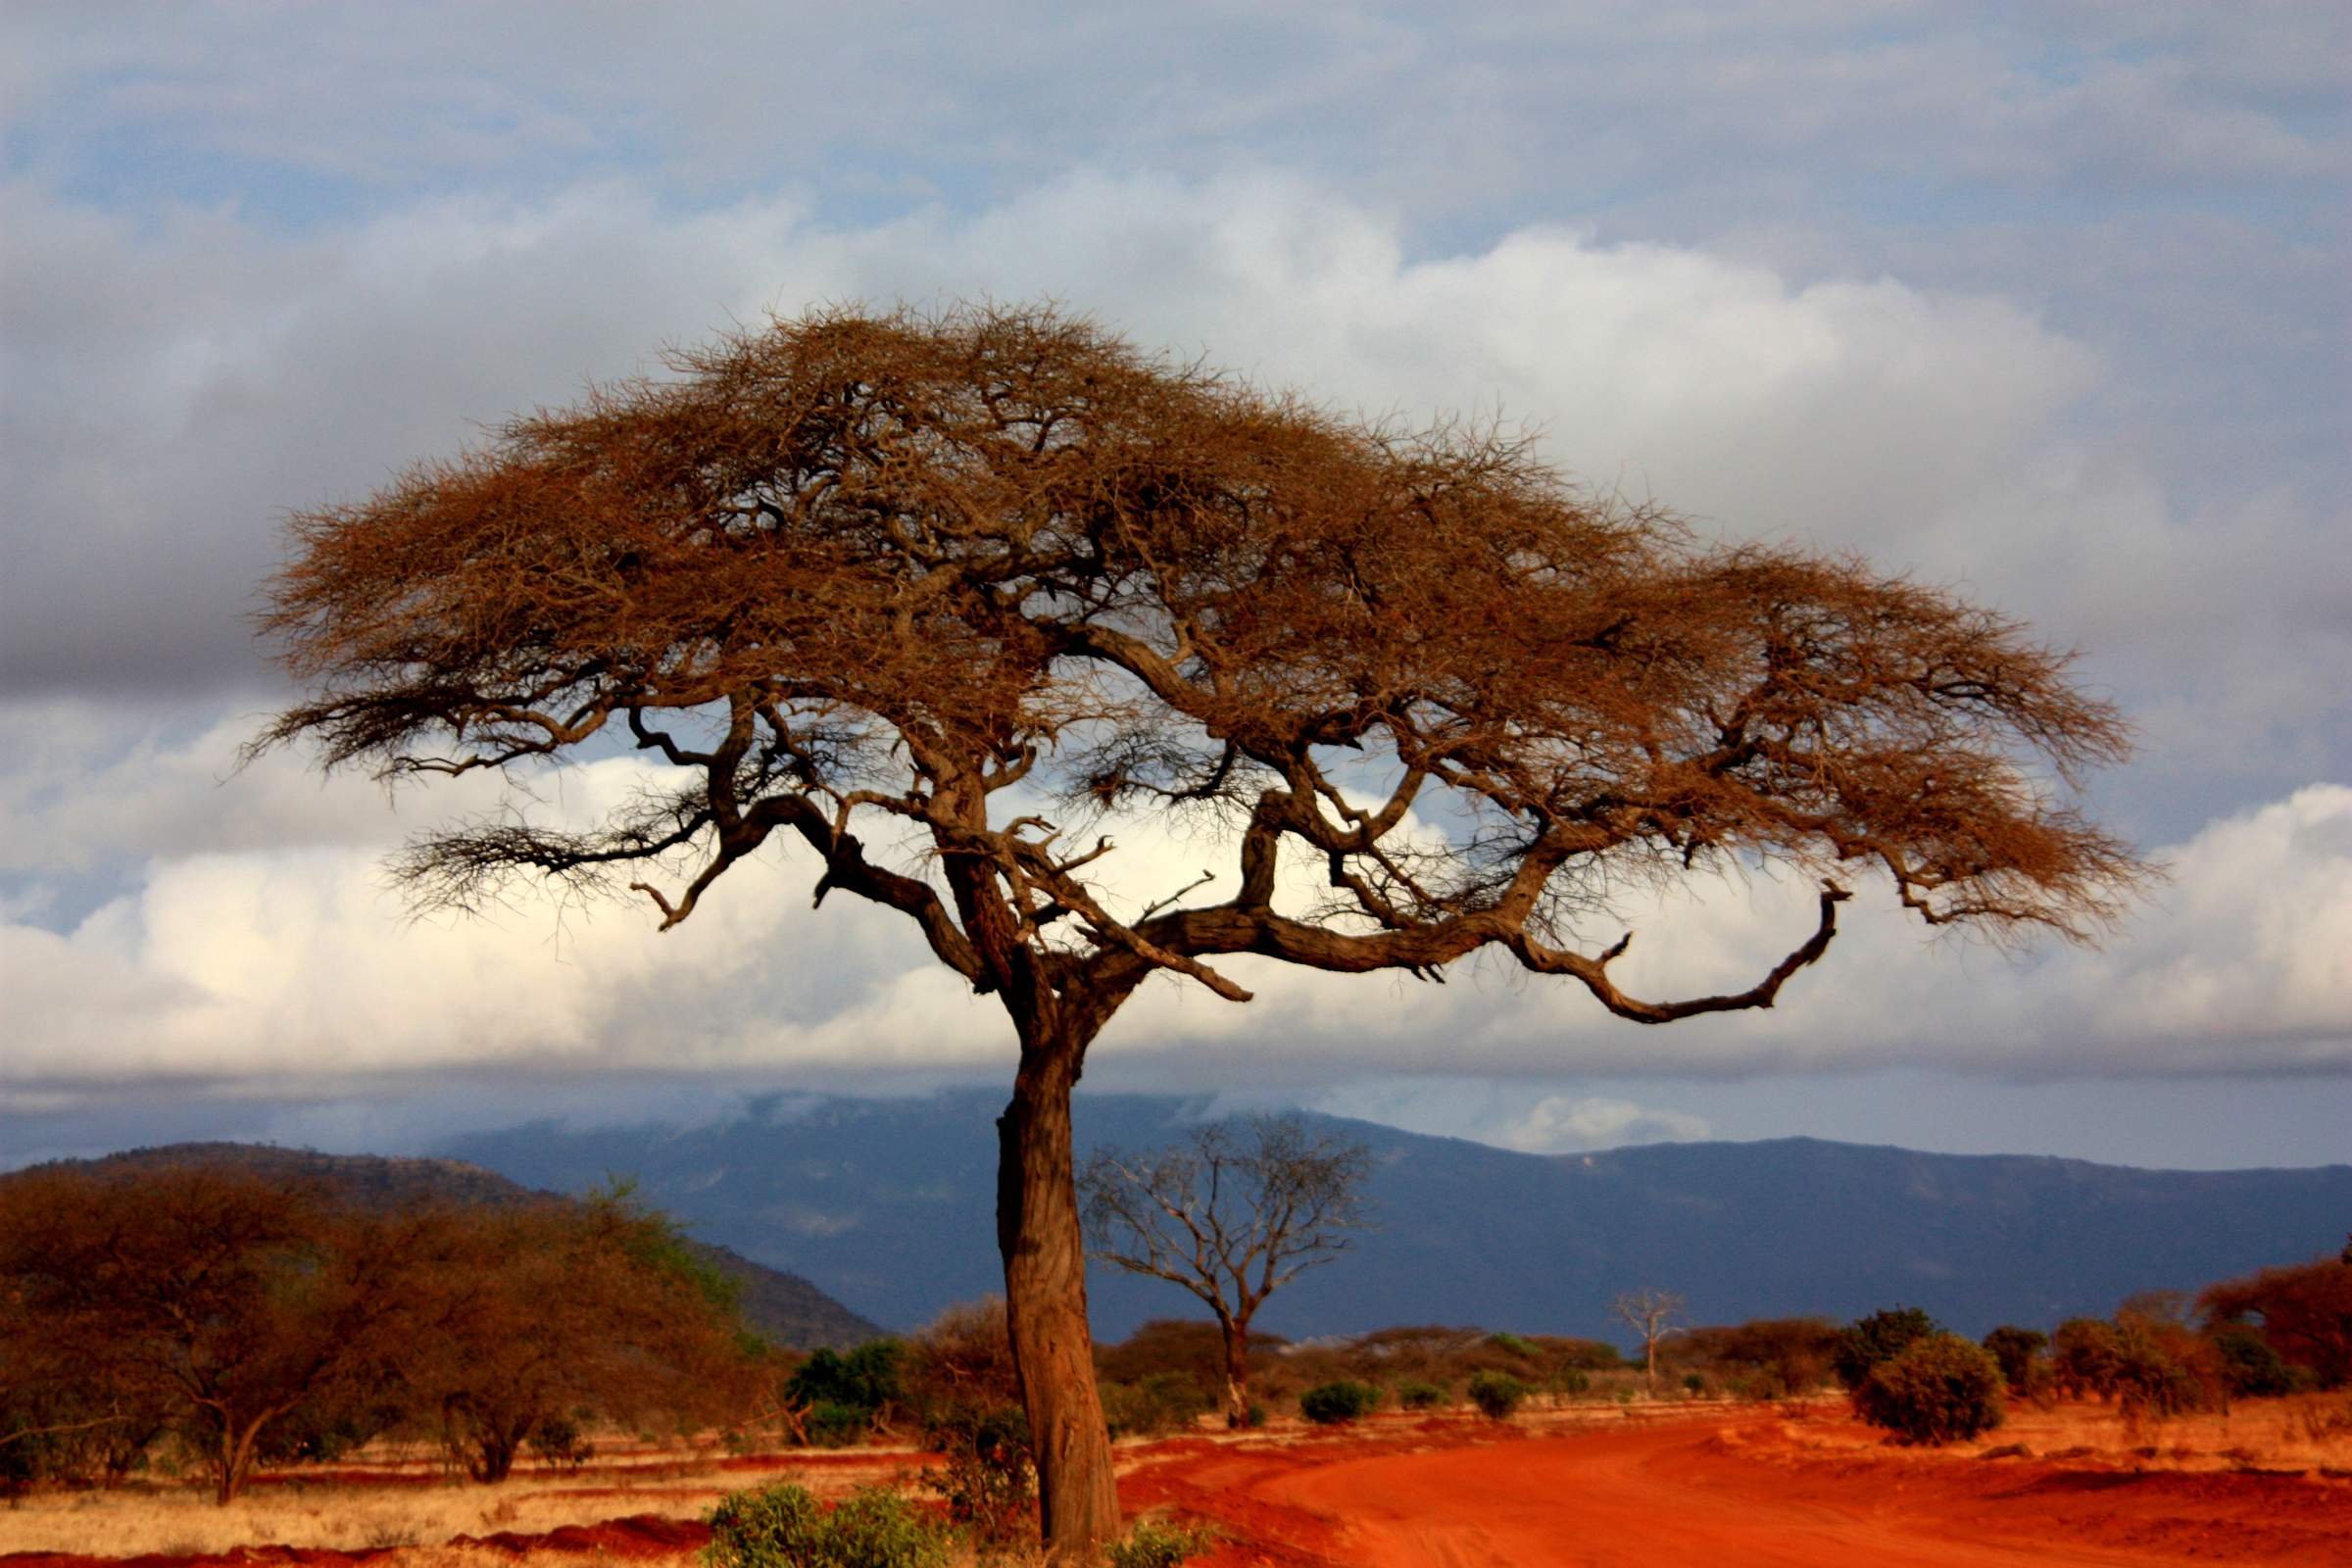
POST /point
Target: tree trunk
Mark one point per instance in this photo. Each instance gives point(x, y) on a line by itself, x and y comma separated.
point(236, 1455)
point(1652, 1375)
point(1237, 1372)
point(1045, 1306)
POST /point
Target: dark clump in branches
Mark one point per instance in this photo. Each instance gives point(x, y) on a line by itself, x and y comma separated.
point(959, 585)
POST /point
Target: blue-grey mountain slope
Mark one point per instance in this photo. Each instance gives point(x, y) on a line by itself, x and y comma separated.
point(886, 1205)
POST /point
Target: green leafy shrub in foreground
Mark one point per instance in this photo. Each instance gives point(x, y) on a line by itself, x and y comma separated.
point(1940, 1389)
point(1152, 1544)
point(1330, 1403)
point(785, 1527)
point(1496, 1393)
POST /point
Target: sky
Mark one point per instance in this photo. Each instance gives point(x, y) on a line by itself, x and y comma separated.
point(2042, 303)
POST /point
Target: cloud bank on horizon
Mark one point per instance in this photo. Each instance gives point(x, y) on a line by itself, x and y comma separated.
point(2042, 301)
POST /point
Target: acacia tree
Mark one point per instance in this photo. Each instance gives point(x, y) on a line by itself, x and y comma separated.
point(957, 584)
point(1650, 1314)
point(223, 1300)
point(1232, 1213)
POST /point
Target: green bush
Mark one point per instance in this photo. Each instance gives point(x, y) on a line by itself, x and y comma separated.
point(870, 1378)
point(1496, 1393)
point(1939, 1388)
point(1420, 1395)
point(1152, 1544)
point(831, 1425)
point(987, 1475)
point(2250, 1368)
point(784, 1526)
point(2087, 1357)
point(2019, 1352)
point(1331, 1403)
point(1694, 1384)
point(1881, 1337)
point(1573, 1383)
point(1164, 1401)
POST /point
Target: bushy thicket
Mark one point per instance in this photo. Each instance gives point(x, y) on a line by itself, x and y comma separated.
point(1881, 1337)
point(1937, 1387)
point(1332, 1404)
point(786, 1526)
point(1154, 1544)
point(1496, 1393)
point(240, 1317)
point(1764, 1358)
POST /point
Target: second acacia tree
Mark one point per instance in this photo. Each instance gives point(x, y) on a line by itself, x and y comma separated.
point(926, 596)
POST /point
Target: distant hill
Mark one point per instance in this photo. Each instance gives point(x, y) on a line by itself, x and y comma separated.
point(783, 1307)
point(887, 1204)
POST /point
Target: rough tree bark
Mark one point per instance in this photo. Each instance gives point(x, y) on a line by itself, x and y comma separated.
point(1044, 1252)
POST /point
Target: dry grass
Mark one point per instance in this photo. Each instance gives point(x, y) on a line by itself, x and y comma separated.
point(2310, 1432)
point(410, 1502)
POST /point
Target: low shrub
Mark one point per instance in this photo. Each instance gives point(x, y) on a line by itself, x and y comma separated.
point(1572, 1383)
point(1153, 1544)
point(1420, 1395)
point(2087, 1357)
point(1939, 1388)
point(988, 1474)
point(1693, 1385)
point(2250, 1368)
point(830, 1424)
point(2019, 1352)
point(1332, 1404)
point(1881, 1337)
point(1164, 1401)
point(785, 1527)
point(1496, 1393)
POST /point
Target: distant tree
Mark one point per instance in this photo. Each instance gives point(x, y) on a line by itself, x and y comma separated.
point(226, 1300)
point(2018, 1354)
point(1650, 1314)
point(541, 1312)
point(1765, 1358)
point(1866, 1341)
point(2304, 1313)
point(2087, 1357)
point(964, 582)
point(1232, 1213)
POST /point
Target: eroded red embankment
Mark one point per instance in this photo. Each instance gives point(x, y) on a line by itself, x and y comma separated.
point(1703, 1493)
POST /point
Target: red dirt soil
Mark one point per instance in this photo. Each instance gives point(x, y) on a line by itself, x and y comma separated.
point(1699, 1492)
point(1707, 1493)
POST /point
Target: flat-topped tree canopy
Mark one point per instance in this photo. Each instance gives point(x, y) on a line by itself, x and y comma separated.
point(866, 565)
point(863, 571)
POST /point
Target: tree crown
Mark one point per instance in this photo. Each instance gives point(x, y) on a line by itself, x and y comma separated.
point(977, 577)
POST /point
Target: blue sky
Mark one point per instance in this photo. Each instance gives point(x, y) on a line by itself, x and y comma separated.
point(2045, 302)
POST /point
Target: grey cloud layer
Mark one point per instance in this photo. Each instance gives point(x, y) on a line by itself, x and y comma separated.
point(2043, 301)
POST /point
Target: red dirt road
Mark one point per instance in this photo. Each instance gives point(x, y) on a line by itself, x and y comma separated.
point(1665, 1494)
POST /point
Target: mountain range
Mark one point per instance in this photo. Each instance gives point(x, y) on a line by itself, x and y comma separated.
point(886, 1205)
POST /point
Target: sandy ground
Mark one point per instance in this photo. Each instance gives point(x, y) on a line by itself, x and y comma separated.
point(1716, 1488)
point(1704, 1485)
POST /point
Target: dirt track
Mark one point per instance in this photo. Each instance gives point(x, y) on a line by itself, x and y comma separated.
point(1701, 1494)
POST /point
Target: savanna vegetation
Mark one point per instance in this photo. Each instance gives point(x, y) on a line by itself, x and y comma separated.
point(214, 1319)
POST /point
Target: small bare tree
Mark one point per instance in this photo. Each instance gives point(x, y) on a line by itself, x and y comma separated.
point(1232, 1213)
point(1650, 1314)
